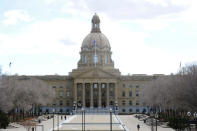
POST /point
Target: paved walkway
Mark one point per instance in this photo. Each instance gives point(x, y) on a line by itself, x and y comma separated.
point(131, 123)
point(93, 122)
point(48, 125)
point(96, 122)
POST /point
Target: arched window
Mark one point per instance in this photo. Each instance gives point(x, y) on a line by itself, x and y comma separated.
point(84, 59)
point(106, 59)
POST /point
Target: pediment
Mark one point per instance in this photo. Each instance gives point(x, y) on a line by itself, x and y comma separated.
point(95, 73)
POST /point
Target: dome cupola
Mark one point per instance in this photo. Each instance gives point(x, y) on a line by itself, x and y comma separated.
point(95, 49)
point(95, 37)
point(95, 24)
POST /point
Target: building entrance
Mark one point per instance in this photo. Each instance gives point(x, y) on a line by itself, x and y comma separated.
point(95, 103)
point(103, 104)
point(87, 103)
point(87, 94)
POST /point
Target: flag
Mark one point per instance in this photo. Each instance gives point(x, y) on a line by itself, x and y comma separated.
point(10, 64)
point(94, 42)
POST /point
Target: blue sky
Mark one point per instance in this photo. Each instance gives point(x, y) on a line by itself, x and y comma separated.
point(43, 37)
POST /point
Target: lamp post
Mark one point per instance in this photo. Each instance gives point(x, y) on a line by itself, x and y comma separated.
point(116, 106)
point(189, 114)
point(84, 119)
point(151, 115)
point(156, 116)
point(110, 110)
point(82, 110)
point(74, 106)
point(195, 116)
point(53, 118)
point(58, 120)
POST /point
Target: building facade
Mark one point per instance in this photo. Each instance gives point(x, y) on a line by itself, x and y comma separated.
point(96, 84)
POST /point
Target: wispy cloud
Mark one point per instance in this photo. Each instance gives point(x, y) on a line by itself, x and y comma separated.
point(13, 17)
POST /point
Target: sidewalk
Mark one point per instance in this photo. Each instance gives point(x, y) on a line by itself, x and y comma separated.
point(48, 125)
point(131, 123)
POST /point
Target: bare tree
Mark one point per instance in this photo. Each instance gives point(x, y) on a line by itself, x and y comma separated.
point(24, 92)
point(175, 92)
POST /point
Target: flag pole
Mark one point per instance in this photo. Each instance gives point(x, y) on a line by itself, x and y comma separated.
point(95, 53)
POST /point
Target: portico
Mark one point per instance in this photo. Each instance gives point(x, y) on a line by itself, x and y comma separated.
point(95, 94)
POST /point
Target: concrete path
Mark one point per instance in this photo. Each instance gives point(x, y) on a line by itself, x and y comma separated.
point(48, 125)
point(97, 122)
point(131, 123)
point(93, 122)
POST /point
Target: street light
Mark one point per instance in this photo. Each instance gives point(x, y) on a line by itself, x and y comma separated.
point(156, 116)
point(74, 106)
point(116, 105)
point(84, 111)
point(58, 120)
point(53, 118)
point(195, 116)
point(82, 118)
point(189, 114)
point(110, 110)
point(151, 115)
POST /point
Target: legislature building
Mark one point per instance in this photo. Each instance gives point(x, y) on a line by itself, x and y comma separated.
point(96, 84)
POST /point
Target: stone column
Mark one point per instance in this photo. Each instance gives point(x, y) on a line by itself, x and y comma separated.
point(116, 92)
point(91, 95)
point(107, 86)
point(75, 92)
point(83, 88)
point(99, 100)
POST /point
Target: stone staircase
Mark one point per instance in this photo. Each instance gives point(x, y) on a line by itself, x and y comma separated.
point(95, 111)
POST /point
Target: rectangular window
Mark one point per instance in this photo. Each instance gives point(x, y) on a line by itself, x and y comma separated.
point(130, 103)
point(130, 86)
point(54, 94)
point(67, 103)
point(103, 86)
point(130, 93)
point(61, 94)
point(61, 102)
point(95, 86)
point(67, 87)
point(123, 86)
point(111, 93)
point(123, 93)
point(137, 103)
point(137, 93)
point(123, 103)
point(61, 86)
point(54, 103)
point(67, 93)
point(137, 86)
point(79, 89)
point(54, 86)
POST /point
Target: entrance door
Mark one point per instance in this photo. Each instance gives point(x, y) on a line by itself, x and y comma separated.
point(87, 94)
point(103, 104)
point(95, 95)
point(87, 103)
point(95, 103)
